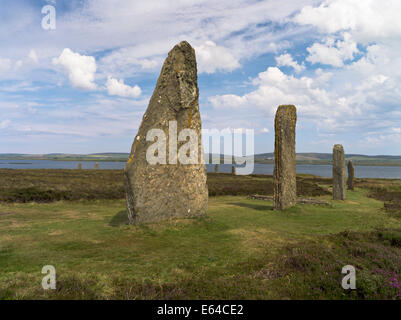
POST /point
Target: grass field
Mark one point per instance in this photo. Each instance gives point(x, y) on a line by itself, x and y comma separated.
point(241, 250)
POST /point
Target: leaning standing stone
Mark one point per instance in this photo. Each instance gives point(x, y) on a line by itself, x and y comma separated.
point(338, 172)
point(351, 175)
point(168, 188)
point(285, 185)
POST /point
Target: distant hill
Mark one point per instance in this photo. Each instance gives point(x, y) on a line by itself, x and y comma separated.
point(302, 158)
point(326, 158)
point(107, 156)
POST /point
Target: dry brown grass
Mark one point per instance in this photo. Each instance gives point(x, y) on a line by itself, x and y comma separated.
point(55, 185)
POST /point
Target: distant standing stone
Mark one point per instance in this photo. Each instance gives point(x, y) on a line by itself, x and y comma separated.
point(339, 183)
point(285, 185)
point(96, 167)
point(216, 168)
point(233, 169)
point(79, 166)
point(351, 175)
point(168, 188)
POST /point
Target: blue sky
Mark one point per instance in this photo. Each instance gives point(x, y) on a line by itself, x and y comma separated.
point(83, 87)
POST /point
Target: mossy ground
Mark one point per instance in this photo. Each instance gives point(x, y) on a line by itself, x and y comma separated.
point(241, 250)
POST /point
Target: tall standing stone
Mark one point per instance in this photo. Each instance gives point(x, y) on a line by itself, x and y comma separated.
point(351, 175)
point(339, 183)
point(172, 189)
point(79, 166)
point(285, 185)
point(216, 168)
point(96, 166)
point(233, 170)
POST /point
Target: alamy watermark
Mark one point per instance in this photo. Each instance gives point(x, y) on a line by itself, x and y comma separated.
point(349, 281)
point(49, 20)
point(165, 150)
point(49, 281)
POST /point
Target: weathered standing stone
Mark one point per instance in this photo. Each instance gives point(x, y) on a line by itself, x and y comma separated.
point(162, 191)
point(79, 166)
point(351, 175)
point(339, 184)
point(233, 170)
point(216, 168)
point(285, 188)
point(96, 167)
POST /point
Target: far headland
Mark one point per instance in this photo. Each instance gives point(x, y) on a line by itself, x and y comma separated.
point(266, 158)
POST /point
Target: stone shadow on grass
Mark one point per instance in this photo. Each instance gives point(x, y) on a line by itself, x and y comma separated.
point(119, 219)
point(254, 206)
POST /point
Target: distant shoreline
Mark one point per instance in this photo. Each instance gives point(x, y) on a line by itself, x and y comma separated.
point(357, 163)
point(257, 160)
point(65, 159)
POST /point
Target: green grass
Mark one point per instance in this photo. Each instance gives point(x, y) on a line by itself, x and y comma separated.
point(241, 250)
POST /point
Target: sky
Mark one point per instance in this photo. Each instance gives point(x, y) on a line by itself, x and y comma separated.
point(83, 85)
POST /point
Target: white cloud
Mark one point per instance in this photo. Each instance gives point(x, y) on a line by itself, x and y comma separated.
point(135, 36)
point(125, 62)
point(287, 60)
point(322, 77)
point(150, 29)
point(331, 110)
point(81, 69)
point(275, 88)
point(19, 87)
point(377, 59)
point(211, 57)
point(371, 84)
point(379, 139)
point(148, 63)
point(118, 88)
point(32, 55)
point(333, 52)
point(367, 19)
point(229, 101)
